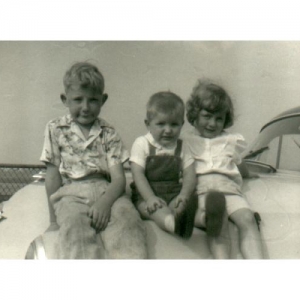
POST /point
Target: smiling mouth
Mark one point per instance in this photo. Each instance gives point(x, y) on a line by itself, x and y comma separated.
point(210, 130)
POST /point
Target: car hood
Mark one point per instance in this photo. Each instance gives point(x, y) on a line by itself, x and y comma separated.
point(276, 198)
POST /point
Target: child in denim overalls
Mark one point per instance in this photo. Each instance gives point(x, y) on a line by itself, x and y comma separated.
point(163, 169)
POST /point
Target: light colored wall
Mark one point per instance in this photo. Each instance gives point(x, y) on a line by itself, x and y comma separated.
point(262, 78)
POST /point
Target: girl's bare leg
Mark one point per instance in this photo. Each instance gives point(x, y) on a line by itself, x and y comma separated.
point(234, 240)
point(220, 245)
point(250, 239)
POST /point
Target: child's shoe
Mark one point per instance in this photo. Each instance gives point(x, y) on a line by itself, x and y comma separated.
point(215, 206)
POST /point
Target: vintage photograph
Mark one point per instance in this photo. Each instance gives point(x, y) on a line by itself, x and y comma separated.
point(150, 150)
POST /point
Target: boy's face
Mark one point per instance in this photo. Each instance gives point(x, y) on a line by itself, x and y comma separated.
point(84, 104)
point(210, 125)
point(165, 128)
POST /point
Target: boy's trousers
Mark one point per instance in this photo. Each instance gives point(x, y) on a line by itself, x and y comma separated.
point(123, 238)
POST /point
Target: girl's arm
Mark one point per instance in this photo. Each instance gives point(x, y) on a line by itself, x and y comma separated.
point(245, 172)
point(53, 182)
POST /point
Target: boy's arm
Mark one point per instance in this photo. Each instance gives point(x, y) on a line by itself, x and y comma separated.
point(101, 209)
point(53, 182)
point(117, 186)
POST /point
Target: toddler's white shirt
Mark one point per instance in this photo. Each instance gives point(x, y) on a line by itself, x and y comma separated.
point(140, 151)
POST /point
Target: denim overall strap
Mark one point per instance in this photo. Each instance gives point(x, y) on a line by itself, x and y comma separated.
point(163, 173)
point(163, 167)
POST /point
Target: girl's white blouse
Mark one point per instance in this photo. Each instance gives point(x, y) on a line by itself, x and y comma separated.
point(217, 156)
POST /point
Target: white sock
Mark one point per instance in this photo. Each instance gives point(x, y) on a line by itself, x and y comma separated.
point(170, 223)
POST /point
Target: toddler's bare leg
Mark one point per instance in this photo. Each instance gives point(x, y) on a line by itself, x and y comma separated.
point(163, 216)
point(125, 234)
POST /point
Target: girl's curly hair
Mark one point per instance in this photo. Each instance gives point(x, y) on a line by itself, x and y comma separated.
point(211, 97)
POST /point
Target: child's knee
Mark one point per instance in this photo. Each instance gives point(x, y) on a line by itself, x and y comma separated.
point(247, 221)
point(71, 213)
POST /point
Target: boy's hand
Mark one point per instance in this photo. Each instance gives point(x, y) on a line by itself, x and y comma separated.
point(100, 214)
point(154, 203)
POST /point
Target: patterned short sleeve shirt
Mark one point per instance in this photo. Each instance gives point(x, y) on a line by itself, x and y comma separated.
point(76, 157)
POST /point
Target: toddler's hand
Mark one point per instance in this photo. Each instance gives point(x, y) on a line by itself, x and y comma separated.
point(180, 204)
point(154, 203)
point(100, 214)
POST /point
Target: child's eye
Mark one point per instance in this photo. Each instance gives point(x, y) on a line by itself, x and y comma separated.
point(77, 99)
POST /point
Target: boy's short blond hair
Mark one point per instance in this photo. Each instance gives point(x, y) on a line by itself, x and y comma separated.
point(164, 102)
point(85, 75)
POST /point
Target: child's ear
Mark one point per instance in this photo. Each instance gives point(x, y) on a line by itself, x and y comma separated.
point(146, 122)
point(63, 99)
point(104, 98)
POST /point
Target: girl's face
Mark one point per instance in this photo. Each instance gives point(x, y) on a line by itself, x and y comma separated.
point(210, 125)
point(165, 128)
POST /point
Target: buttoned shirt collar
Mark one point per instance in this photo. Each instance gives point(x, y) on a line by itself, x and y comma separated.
point(154, 143)
point(95, 131)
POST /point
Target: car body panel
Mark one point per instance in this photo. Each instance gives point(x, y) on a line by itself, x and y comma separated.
point(274, 157)
point(27, 217)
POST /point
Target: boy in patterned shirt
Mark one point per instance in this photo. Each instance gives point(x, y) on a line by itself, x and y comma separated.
point(85, 179)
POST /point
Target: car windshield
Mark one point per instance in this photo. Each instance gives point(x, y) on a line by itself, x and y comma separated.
point(278, 145)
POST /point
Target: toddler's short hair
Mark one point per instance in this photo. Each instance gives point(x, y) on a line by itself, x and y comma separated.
point(85, 75)
point(164, 102)
point(211, 97)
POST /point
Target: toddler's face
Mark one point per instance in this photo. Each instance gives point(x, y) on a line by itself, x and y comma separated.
point(84, 104)
point(210, 125)
point(165, 128)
